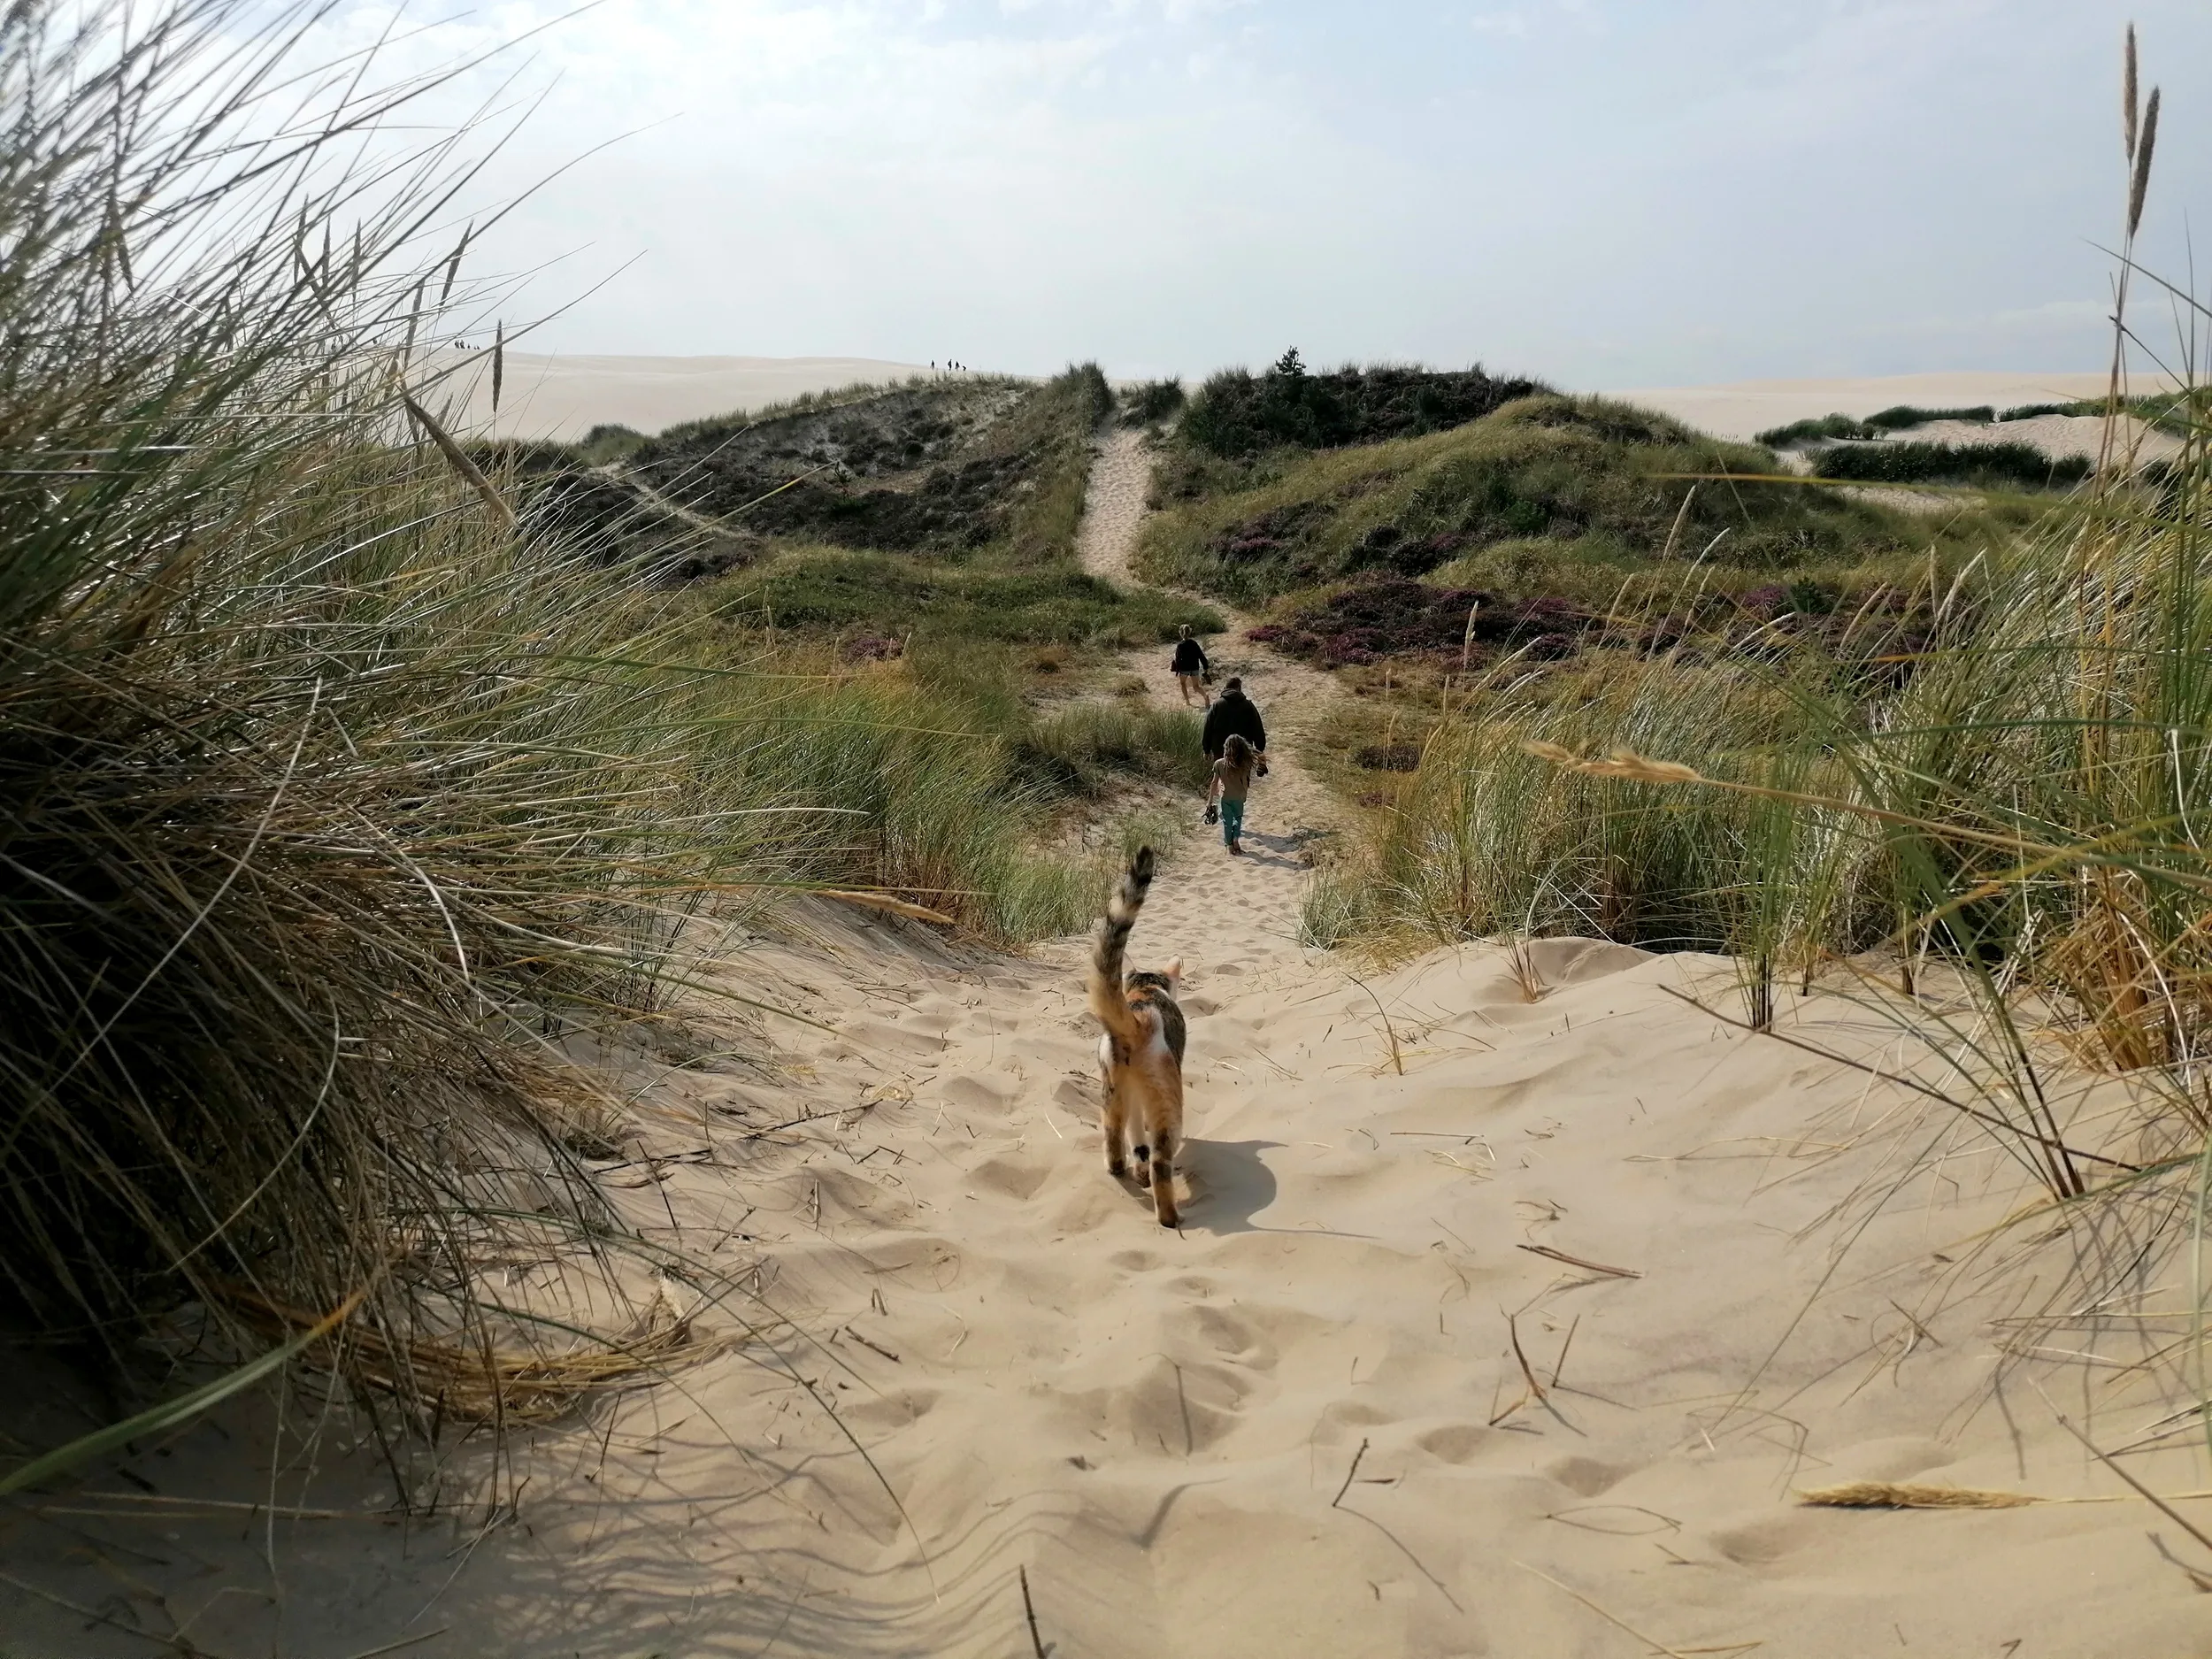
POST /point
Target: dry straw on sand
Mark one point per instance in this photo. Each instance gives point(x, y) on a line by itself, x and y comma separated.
point(1889, 1494)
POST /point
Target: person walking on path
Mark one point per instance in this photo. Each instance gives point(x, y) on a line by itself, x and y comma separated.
point(1191, 669)
point(1234, 714)
point(1231, 782)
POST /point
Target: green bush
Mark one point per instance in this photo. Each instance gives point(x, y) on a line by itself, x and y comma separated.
point(1895, 463)
point(1152, 403)
point(1831, 428)
point(1237, 413)
point(1824, 428)
point(1904, 415)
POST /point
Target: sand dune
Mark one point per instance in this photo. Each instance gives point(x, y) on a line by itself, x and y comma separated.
point(1301, 1426)
point(1512, 1304)
point(1743, 408)
point(564, 397)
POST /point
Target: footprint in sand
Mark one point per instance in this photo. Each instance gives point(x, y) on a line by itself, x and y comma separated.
point(1010, 1177)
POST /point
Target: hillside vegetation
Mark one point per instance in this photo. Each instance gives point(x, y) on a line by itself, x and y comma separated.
point(358, 778)
point(1237, 414)
point(1983, 831)
point(1559, 502)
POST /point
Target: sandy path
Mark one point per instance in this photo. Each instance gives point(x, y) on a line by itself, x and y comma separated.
point(1289, 810)
point(1299, 1425)
point(1302, 1425)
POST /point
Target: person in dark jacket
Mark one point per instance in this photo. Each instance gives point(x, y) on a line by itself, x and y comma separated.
point(1235, 714)
point(1191, 667)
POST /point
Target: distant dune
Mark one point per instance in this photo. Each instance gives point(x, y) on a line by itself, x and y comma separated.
point(547, 396)
point(1742, 408)
point(560, 396)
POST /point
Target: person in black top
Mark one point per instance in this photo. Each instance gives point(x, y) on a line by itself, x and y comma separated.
point(1235, 714)
point(1190, 666)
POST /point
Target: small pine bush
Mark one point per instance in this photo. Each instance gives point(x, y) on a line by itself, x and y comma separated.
point(1238, 413)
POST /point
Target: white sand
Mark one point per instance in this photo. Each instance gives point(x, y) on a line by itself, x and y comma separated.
point(1740, 408)
point(562, 397)
point(1299, 1427)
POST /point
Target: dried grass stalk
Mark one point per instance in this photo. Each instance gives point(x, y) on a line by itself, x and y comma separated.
point(2139, 186)
point(2127, 96)
point(1889, 1494)
point(478, 1380)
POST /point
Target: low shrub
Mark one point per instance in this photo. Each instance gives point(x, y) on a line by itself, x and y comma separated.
point(608, 443)
point(1820, 429)
point(1998, 463)
point(1399, 616)
point(945, 468)
point(1832, 428)
point(1904, 415)
point(1152, 403)
point(1238, 413)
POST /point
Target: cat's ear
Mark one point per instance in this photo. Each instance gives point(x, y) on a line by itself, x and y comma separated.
point(1173, 972)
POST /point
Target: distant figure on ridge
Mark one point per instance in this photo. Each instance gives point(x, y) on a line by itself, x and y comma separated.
point(1192, 670)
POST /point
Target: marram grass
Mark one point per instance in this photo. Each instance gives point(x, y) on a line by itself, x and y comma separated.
point(331, 801)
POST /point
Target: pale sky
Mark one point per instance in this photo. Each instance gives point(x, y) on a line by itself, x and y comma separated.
point(1603, 193)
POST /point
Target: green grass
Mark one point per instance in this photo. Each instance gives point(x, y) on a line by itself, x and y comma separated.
point(338, 798)
point(1544, 491)
point(2000, 465)
point(1087, 742)
point(843, 593)
point(934, 781)
point(1151, 403)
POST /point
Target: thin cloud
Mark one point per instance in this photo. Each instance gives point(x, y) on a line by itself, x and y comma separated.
point(1602, 192)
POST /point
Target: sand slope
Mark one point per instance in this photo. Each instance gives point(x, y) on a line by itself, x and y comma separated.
point(1302, 1425)
point(1740, 408)
point(562, 397)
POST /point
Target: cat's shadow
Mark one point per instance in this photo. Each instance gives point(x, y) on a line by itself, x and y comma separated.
point(1230, 1184)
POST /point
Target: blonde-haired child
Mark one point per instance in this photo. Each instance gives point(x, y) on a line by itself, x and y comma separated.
point(1231, 782)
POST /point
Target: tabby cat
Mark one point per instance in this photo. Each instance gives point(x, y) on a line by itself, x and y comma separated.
point(1140, 1056)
